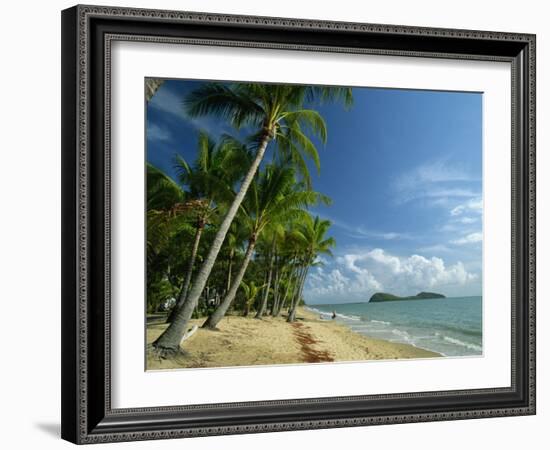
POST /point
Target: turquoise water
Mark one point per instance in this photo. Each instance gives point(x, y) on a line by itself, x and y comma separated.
point(450, 326)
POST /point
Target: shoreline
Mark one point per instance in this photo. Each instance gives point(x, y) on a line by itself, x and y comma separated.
point(245, 341)
point(317, 312)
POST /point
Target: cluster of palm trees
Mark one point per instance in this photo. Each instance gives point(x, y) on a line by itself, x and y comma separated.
point(234, 223)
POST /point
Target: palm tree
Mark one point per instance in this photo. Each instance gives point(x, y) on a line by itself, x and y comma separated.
point(234, 240)
point(251, 291)
point(152, 85)
point(274, 233)
point(311, 234)
point(162, 192)
point(210, 181)
point(164, 197)
point(272, 198)
point(285, 273)
point(276, 112)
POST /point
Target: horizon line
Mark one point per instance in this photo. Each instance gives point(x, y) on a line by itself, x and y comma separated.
point(368, 301)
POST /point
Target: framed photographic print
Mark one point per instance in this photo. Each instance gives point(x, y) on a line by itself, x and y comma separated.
point(281, 224)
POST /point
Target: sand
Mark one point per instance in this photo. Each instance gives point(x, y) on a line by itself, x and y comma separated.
point(245, 341)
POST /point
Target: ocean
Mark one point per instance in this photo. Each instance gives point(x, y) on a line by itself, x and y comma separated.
point(450, 326)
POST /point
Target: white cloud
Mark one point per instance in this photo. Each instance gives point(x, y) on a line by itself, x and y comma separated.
point(418, 271)
point(474, 205)
point(358, 275)
point(320, 261)
point(171, 102)
point(364, 233)
point(471, 238)
point(333, 283)
point(168, 101)
point(463, 221)
point(437, 183)
point(437, 248)
point(157, 133)
point(430, 173)
point(363, 279)
point(436, 196)
point(361, 232)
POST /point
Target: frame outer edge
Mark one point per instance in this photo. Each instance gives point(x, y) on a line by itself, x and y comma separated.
point(297, 23)
point(82, 151)
point(532, 222)
point(75, 185)
point(69, 264)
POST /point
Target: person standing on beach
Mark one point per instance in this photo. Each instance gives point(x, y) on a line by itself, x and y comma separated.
point(333, 315)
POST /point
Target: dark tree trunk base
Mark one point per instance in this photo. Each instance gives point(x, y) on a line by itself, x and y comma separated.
point(161, 352)
point(207, 326)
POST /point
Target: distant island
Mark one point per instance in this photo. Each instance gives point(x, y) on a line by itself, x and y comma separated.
point(385, 297)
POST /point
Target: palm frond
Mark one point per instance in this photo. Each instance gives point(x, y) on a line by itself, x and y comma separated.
point(331, 94)
point(226, 102)
point(310, 119)
point(162, 191)
point(304, 143)
point(290, 152)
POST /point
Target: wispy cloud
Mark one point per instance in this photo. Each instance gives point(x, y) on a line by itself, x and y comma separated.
point(463, 218)
point(168, 101)
point(475, 205)
point(471, 238)
point(361, 232)
point(436, 248)
point(467, 220)
point(437, 196)
point(431, 173)
point(437, 181)
point(158, 133)
point(171, 102)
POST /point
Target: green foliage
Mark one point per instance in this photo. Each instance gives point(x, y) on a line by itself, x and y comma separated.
point(275, 210)
point(275, 110)
point(159, 292)
point(250, 291)
point(162, 191)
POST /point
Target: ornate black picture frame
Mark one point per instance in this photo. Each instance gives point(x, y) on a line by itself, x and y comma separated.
point(87, 34)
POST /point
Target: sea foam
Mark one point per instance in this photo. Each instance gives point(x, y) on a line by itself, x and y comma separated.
point(380, 322)
point(474, 347)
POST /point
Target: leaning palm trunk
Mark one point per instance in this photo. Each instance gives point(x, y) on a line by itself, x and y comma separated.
point(185, 290)
point(263, 305)
point(296, 288)
point(168, 342)
point(276, 293)
point(289, 285)
point(220, 311)
point(283, 301)
point(229, 269)
point(292, 313)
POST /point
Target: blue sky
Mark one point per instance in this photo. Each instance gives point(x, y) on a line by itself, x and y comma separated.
point(403, 168)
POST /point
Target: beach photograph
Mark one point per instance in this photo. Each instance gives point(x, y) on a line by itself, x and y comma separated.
point(308, 224)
